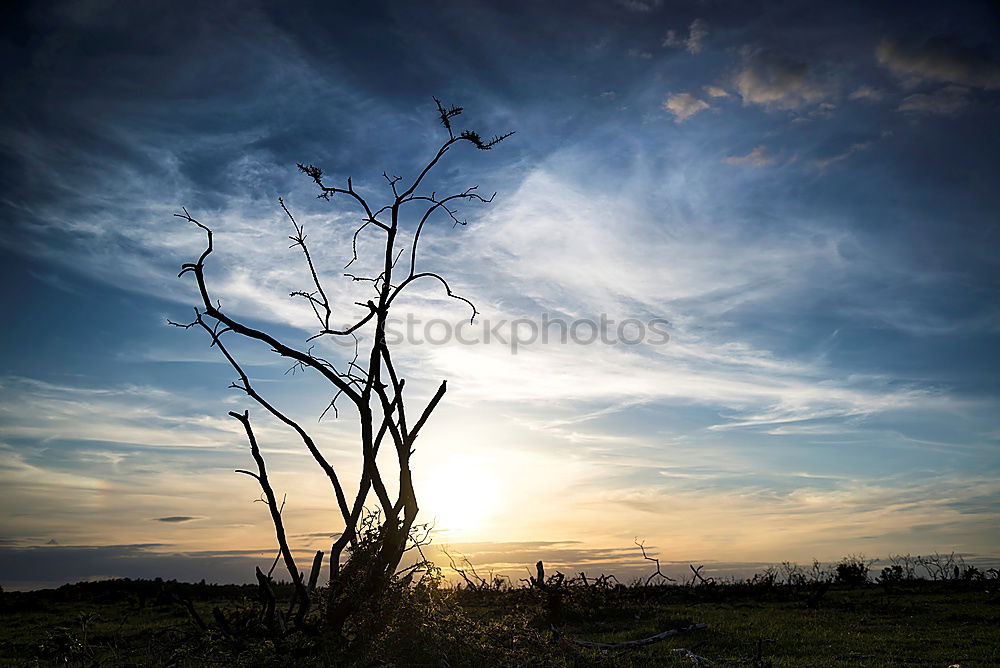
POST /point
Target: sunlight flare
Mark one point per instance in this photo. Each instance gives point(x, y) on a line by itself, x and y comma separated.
point(460, 494)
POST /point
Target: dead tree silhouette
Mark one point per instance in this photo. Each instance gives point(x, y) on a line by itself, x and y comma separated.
point(369, 381)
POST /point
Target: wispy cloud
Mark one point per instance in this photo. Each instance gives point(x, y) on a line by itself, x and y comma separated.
point(946, 101)
point(130, 453)
point(694, 42)
point(866, 92)
point(644, 270)
point(640, 6)
point(758, 157)
point(823, 164)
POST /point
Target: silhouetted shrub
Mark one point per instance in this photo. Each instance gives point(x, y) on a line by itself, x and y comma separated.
point(852, 569)
point(891, 575)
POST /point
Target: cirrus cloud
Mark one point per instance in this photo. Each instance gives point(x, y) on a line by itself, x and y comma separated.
point(946, 101)
point(758, 157)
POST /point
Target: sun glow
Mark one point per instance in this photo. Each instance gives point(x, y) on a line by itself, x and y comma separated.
point(460, 494)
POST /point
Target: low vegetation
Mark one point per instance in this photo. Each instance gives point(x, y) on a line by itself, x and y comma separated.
point(911, 612)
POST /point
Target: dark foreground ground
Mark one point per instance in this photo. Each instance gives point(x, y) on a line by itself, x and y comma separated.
point(912, 623)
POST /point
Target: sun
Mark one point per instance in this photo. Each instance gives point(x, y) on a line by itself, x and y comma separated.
point(459, 494)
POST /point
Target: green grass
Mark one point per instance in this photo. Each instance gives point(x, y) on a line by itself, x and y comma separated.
point(926, 626)
point(913, 624)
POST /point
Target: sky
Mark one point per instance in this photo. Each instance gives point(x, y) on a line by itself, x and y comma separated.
point(795, 202)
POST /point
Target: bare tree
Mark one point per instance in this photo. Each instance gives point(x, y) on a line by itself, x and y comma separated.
point(366, 555)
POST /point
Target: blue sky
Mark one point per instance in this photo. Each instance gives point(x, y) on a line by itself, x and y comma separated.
point(806, 192)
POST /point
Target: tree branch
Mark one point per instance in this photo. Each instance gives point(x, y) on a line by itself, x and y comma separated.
point(299, 239)
point(272, 505)
point(252, 393)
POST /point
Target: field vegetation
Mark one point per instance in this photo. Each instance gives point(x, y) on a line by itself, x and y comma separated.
point(912, 612)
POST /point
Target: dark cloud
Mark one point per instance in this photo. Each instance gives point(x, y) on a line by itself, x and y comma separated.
point(515, 559)
point(46, 566)
point(941, 59)
point(51, 566)
point(776, 81)
point(176, 518)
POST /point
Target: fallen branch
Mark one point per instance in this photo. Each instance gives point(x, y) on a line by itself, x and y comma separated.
point(189, 606)
point(642, 642)
point(688, 654)
point(698, 577)
point(220, 619)
point(658, 572)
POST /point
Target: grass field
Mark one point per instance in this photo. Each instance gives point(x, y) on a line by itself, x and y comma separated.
point(913, 623)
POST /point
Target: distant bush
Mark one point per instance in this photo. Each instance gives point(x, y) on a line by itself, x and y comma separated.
point(852, 569)
point(797, 576)
point(891, 575)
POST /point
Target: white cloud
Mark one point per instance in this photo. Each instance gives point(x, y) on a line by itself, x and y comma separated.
point(618, 260)
point(758, 157)
point(715, 91)
point(612, 258)
point(684, 105)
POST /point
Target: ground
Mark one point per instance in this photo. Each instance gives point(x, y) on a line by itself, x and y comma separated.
point(916, 623)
